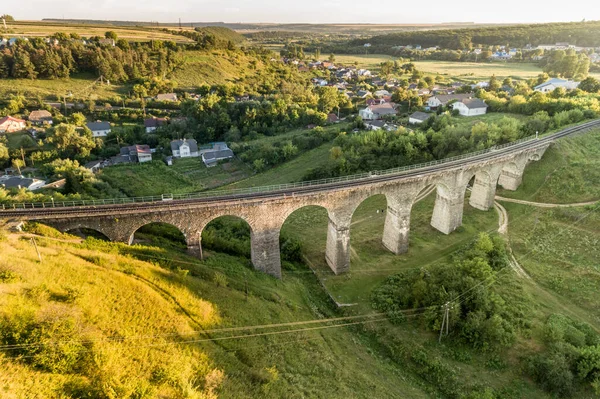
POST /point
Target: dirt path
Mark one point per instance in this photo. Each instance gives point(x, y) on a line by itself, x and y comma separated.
point(503, 230)
point(544, 205)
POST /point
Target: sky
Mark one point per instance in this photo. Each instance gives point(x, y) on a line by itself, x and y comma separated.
point(309, 11)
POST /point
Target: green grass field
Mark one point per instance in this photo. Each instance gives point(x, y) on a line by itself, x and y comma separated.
point(216, 67)
point(81, 86)
point(480, 71)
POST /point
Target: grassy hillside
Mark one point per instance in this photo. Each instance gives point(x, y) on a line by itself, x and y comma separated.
point(135, 317)
point(213, 67)
point(569, 172)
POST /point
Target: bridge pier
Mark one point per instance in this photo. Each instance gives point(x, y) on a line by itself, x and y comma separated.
point(511, 179)
point(484, 190)
point(397, 227)
point(448, 209)
point(264, 248)
point(194, 245)
point(337, 252)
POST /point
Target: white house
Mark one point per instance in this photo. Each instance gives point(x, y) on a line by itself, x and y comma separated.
point(185, 148)
point(441, 100)
point(470, 107)
point(99, 129)
point(418, 117)
point(555, 83)
point(376, 111)
point(19, 182)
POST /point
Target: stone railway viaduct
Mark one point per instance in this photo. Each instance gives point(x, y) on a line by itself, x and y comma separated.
point(266, 214)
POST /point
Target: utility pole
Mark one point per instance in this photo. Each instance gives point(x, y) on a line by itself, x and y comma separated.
point(36, 249)
point(445, 320)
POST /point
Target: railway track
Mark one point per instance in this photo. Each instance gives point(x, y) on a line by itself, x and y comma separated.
point(141, 207)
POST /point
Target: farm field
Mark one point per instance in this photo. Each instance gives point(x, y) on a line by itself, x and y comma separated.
point(132, 33)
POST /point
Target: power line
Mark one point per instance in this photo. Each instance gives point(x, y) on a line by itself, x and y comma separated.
point(221, 330)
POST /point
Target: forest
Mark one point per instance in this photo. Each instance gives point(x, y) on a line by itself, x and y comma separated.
point(583, 34)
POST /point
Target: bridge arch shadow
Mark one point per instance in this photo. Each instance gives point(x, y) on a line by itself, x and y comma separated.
point(303, 237)
point(159, 234)
point(227, 234)
point(85, 232)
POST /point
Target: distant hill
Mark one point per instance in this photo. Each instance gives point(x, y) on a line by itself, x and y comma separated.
point(585, 34)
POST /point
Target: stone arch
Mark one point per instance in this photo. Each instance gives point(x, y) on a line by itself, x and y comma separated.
point(106, 230)
point(163, 224)
point(372, 210)
point(316, 220)
point(79, 230)
point(227, 219)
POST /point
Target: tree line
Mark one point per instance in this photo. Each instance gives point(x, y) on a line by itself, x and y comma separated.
point(35, 58)
point(584, 34)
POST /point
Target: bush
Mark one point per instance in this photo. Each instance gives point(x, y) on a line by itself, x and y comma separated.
point(484, 320)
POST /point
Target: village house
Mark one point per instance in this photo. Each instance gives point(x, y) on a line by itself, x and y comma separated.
point(19, 182)
point(166, 97)
point(185, 148)
point(219, 152)
point(93, 166)
point(377, 111)
point(151, 124)
point(554, 83)
point(382, 93)
point(99, 128)
point(363, 93)
point(470, 107)
point(107, 42)
point(441, 100)
point(418, 117)
point(136, 153)
point(375, 101)
point(40, 117)
point(8, 124)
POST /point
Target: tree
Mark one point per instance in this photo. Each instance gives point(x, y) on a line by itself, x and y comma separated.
point(71, 142)
point(111, 35)
point(317, 54)
point(78, 119)
point(590, 85)
point(332, 58)
point(494, 84)
point(17, 164)
point(3, 153)
point(23, 67)
point(7, 18)
point(508, 82)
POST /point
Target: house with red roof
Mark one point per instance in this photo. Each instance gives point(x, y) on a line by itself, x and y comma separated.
point(9, 124)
